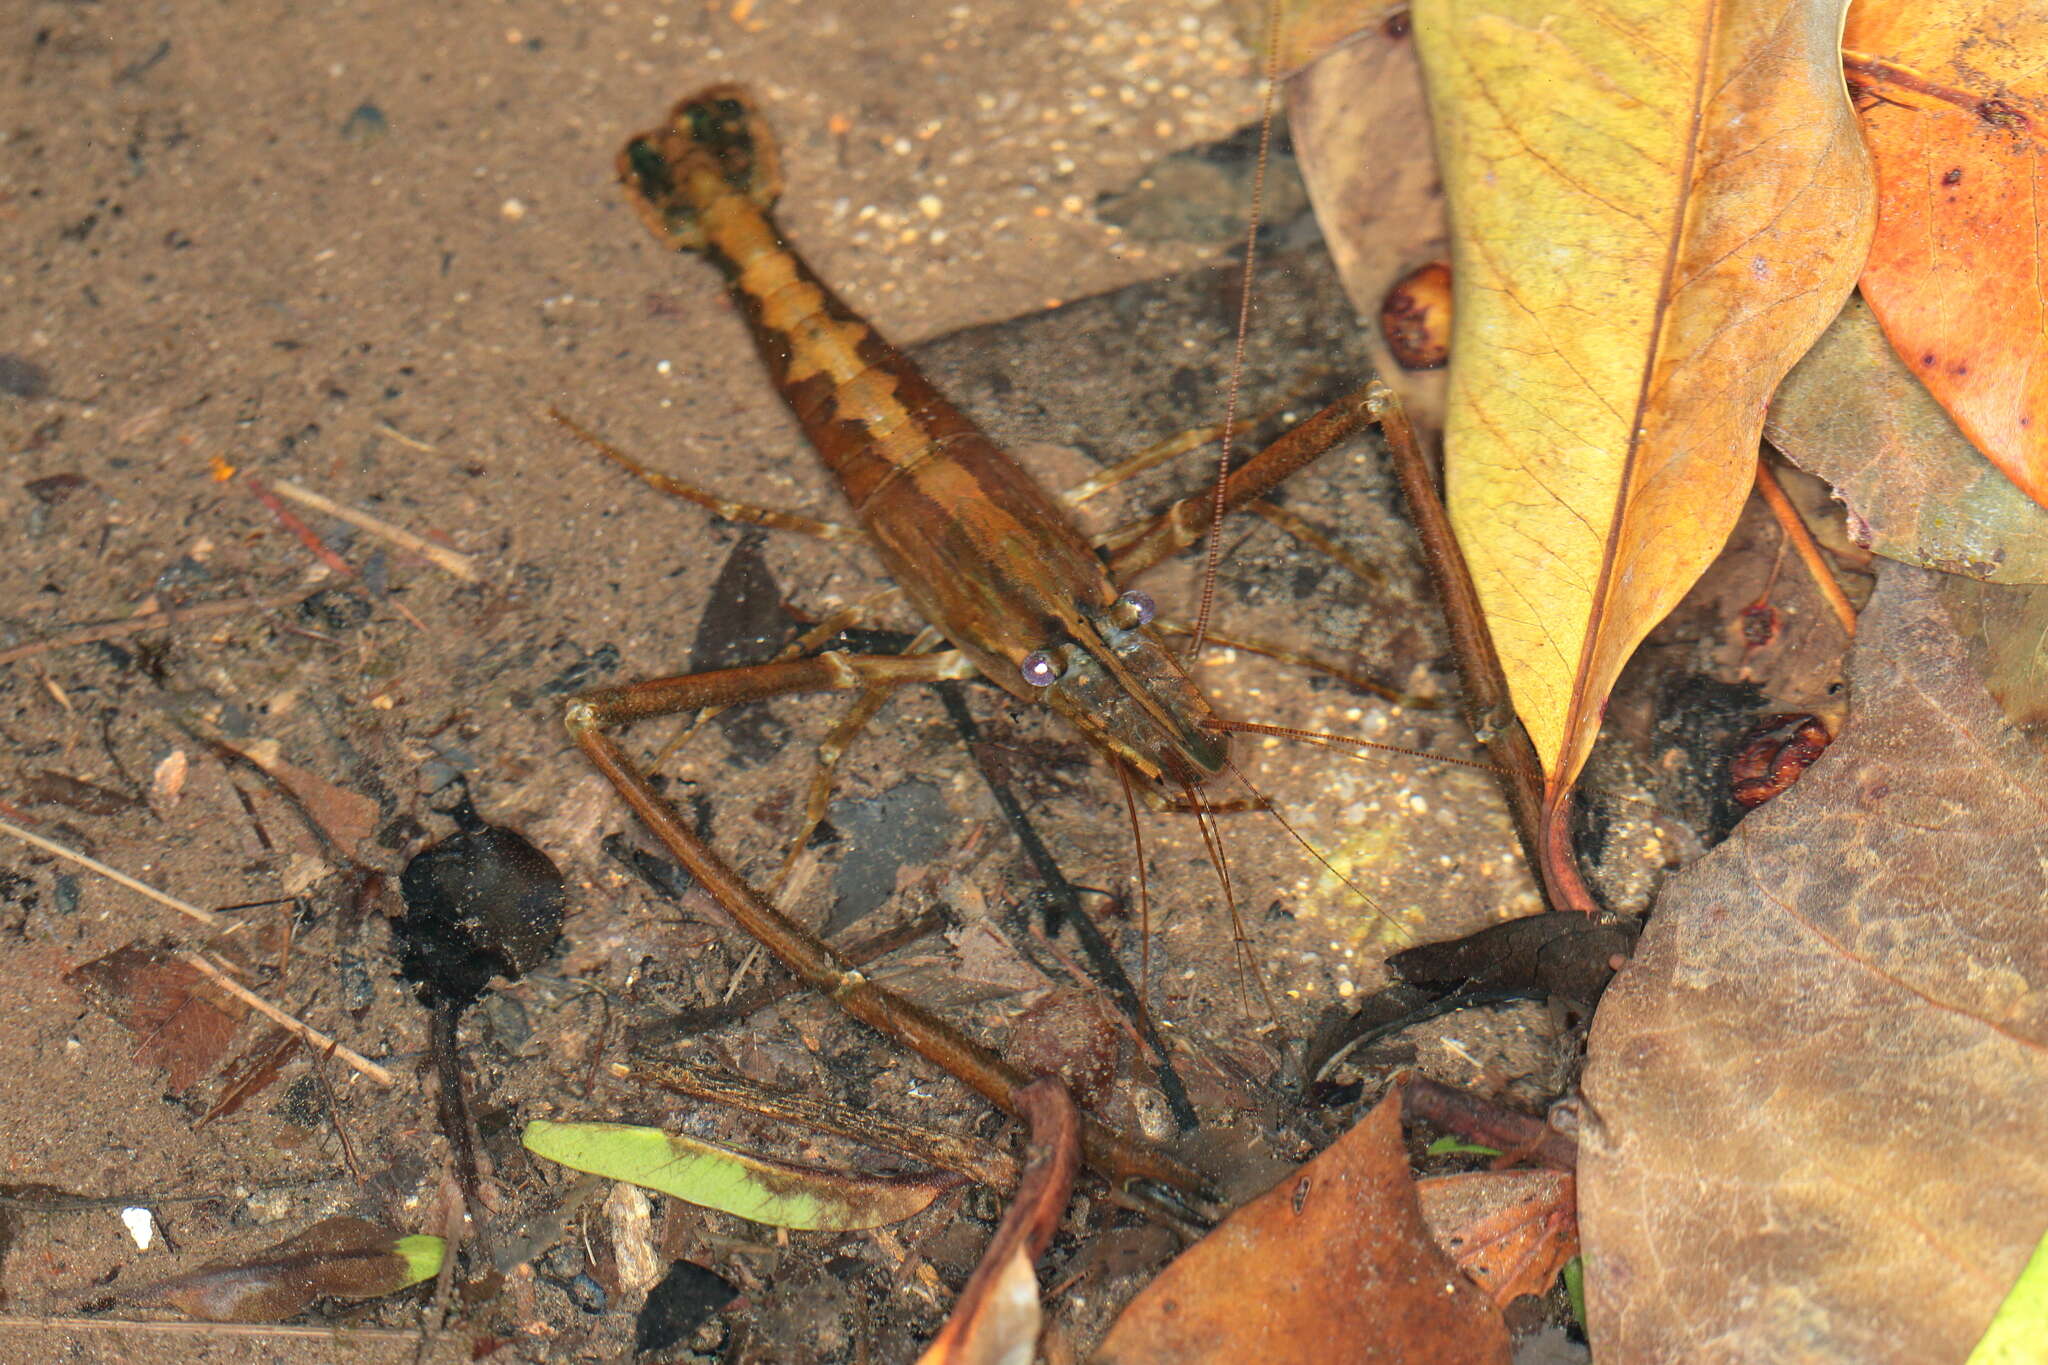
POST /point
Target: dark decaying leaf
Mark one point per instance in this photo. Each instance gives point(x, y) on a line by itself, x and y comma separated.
point(744, 622)
point(481, 903)
point(1333, 1263)
point(182, 1022)
point(65, 790)
point(997, 1317)
point(678, 1306)
point(1560, 954)
point(1817, 1094)
point(341, 1257)
point(1561, 957)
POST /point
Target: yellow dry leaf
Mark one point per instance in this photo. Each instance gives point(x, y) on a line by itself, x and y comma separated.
point(1656, 206)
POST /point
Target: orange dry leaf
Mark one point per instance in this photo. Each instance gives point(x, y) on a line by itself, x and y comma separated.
point(1953, 96)
point(1511, 1231)
point(1333, 1263)
point(1655, 206)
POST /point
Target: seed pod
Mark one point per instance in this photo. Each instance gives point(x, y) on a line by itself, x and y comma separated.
point(1773, 754)
point(1416, 318)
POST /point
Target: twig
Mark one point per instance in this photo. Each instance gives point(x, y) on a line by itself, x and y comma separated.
point(81, 1203)
point(171, 616)
point(988, 1166)
point(461, 565)
point(319, 548)
point(1805, 546)
point(412, 443)
point(317, 1059)
point(986, 1311)
point(223, 1329)
point(1489, 708)
point(306, 1031)
point(186, 908)
point(1475, 1118)
point(305, 533)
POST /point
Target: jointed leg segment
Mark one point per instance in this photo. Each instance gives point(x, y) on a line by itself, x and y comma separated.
point(589, 720)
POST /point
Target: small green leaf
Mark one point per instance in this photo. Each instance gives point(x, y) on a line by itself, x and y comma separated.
point(779, 1193)
point(422, 1256)
point(2021, 1323)
point(1575, 1288)
point(1446, 1145)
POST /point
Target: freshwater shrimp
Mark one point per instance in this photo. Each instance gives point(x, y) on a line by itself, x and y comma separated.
point(985, 555)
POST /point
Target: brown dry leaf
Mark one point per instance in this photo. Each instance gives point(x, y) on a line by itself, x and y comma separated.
point(997, 1318)
point(346, 817)
point(1655, 208)
point(1511, 1231)
point(1361, 130)
point(1954, 100)
point(252, 1073)
point(341, 1257)
point(1817, 1095)
point(1916, 489)
point(1333, 1263)
point(2007, 630)
point(181, 1021)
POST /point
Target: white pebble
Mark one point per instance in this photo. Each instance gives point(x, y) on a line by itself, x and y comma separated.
point(141, 1226)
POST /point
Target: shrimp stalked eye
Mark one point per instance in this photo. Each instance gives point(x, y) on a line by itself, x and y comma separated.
point(1134, 609)
point(1038, 669)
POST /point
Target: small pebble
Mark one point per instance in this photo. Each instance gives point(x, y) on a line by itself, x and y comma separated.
point(366, 123)
point(585, 1293)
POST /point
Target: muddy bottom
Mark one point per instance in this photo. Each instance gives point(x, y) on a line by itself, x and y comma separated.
point(356, 255)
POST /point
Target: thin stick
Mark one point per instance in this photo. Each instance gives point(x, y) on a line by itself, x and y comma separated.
point(277, 1016)
point(1490, 710)
point(461, 565)
point(205, 1329)
point(386, 429)
point(172, 616)
point(186, 908)
point(987, 1165)
point(311, 540)
point(291, 523)
point(1805, 546)
point(316, 1061)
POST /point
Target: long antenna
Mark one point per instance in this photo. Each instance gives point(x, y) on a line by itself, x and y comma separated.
point(1214, 554)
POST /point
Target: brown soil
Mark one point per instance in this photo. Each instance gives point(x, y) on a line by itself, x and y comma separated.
point(359, 250)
